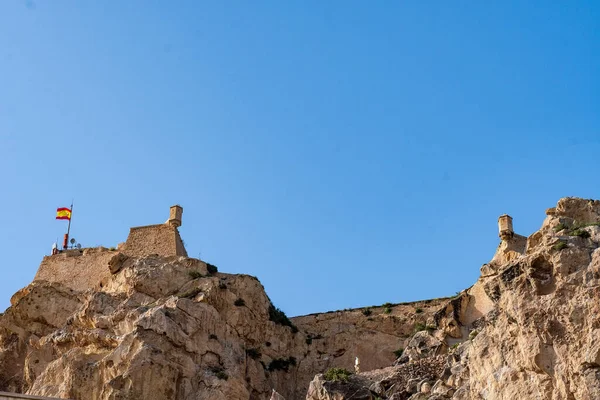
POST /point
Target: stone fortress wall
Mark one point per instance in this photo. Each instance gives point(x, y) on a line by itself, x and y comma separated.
point(161, 239)
point(87, 268)
point(76, 269)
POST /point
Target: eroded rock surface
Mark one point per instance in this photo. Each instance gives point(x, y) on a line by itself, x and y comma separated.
point(164, 327)
point(528, 329)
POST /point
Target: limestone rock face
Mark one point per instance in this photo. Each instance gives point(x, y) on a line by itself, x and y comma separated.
point(163, 327)
point(528, 328)
point(354, 388)
point(159, 328)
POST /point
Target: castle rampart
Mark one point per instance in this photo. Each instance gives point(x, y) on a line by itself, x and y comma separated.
point(86, 268)
point(161, 239)
point(76, 269)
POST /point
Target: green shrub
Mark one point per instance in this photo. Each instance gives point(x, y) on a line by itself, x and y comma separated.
point(195, 274)
point(387, 310)
point(281, 364)
point(212, 269)
point(560, 227)
point(222, 375)
point(279, 317)
point(580, 232)
point(309, 340)
point(219, 373)
point(473, 334)
point(253, 353)
point(337, 374)
point(239, 302)
point(212, 336)
point(367, 311)
point(419, 310)
point(422, 327)
point(559, 246)
point(387, 305)
point(582, 225)
point(398, 353)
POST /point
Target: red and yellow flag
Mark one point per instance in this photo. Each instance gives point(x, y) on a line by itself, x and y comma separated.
point(63, 213)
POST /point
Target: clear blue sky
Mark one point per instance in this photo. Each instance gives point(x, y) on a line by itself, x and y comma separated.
point(347, 153)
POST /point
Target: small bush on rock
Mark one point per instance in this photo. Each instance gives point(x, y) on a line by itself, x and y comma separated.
point(279, 317)
point(253, 353)
point(337, 374)
point(195, 274)
point(239, 302)
point(422, 327)
point(281, 364)
point(367, 311)
point(580, 232)
point(560, 227)
point(212, 269)
point(559, 246)
point(398, 353)
point(219, 373)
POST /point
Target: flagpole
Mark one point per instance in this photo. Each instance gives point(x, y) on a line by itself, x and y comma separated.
point(66, 241)
point(69, 228)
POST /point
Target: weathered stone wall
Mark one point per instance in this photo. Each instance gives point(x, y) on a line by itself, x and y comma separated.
point(162, 239)
point(76, 269)
point(87, 268)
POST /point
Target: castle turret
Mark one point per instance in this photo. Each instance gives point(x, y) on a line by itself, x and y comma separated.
point(175, 214)
point(505, 227)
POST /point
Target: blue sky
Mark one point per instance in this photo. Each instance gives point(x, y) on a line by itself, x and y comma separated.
point(347, 153)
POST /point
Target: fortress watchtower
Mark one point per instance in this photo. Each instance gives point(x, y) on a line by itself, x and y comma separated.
point(175, 214)
point(161, 239)
point(505, 227)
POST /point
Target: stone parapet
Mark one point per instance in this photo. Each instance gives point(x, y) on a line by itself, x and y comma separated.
point(162, 239)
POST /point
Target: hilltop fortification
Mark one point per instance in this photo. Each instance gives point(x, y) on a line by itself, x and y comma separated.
point(158, 325)
point(82, 269)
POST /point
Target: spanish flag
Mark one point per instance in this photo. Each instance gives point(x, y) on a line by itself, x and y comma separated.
point(63, 213)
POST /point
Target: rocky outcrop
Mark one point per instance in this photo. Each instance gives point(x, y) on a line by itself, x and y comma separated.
point(165, 327)
point(160, 328)
point(527, 329)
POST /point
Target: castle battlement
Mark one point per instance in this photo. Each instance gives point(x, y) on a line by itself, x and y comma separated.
point(86, 268)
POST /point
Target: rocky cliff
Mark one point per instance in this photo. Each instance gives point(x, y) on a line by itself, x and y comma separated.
point(173, 328)
point(528, 329)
